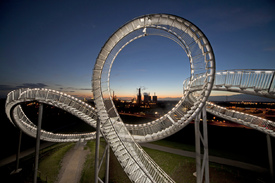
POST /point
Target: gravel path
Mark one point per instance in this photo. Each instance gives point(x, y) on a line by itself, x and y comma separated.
point(72, 164)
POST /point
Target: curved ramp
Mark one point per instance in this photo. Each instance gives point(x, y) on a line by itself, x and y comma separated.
point(252, 82)
point(51, 97)
point(258, 123)
point(247, 81)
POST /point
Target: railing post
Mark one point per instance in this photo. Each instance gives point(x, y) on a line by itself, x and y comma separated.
point(248, 80)
point(38, 142)
point(272, 80)
point(241, 79)
point(225, 79)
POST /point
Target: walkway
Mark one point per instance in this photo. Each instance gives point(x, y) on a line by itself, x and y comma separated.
point(72, 164)
point(213, 159)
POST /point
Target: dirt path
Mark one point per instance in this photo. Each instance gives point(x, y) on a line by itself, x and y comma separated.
point(72, 164)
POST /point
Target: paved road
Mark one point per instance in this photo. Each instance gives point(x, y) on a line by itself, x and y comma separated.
point(214, 159)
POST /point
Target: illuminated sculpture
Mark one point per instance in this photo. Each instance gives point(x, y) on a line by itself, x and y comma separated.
point(123, 138)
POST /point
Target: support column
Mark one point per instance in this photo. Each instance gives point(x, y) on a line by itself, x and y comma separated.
point(97, 150)
point(202, 167)
point(17, 169)
point(269, 150)
point(205, 139)
point(198, 148)
point(107, 164)
point(18, 150)
point(38, 132)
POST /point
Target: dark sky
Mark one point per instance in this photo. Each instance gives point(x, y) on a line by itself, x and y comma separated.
point(54, 44)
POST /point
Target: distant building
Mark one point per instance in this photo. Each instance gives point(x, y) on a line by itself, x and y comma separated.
point(155, 99)
point(147, 97)
point(139, 97)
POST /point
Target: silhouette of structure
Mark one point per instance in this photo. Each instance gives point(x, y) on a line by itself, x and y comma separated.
point(155, 98)
point(139, 97)
point(147, 97)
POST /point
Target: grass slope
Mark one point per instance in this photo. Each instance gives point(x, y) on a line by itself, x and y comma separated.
point(88, 168)
point(181, 169)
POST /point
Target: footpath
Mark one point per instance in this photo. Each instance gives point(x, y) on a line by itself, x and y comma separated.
point(72, 164)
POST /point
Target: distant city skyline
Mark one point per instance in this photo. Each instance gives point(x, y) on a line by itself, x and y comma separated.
point(54, 44)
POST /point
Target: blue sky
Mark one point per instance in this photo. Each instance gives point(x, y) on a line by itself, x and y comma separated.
point(54, 44)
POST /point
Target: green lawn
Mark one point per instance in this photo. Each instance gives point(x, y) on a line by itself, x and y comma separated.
point(179, 168)
point(88, 169)
point(212, 152)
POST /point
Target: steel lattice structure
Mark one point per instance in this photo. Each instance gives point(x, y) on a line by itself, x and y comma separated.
point(135, 162)
point(124, 138)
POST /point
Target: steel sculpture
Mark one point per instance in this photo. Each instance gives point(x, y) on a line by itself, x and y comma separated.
point(137, 164)
point(123, 138)
point(51, 97)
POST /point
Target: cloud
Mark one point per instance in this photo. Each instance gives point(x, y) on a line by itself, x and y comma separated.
point(7, 87)
point(70, 89)
point(32, 85)
point(24, 85)
point(169, 99)
point(85, 89)
point(270, 49)
point(73, 89)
